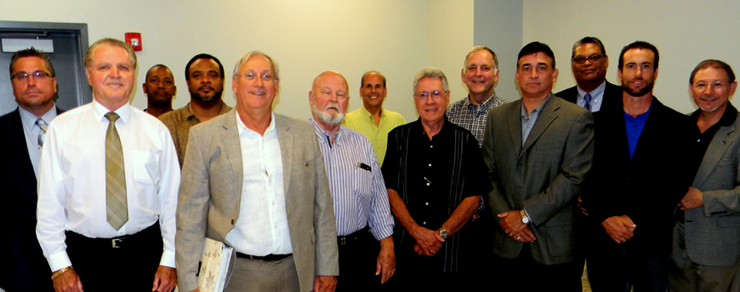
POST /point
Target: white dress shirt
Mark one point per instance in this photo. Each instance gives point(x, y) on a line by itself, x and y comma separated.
point(262, 227)
point(31, 131)
point(72, 179)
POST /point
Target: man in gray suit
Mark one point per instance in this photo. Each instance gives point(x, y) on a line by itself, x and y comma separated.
point(706, 238)
point(255, 180)
point(538, 150)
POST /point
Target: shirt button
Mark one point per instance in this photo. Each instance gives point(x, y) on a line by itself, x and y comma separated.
point(427, 184)
point(430, 165)
point(424, 223)
point(431, 146)
point(427, 203)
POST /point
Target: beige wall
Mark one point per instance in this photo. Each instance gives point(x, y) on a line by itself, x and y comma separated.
point(397, 38)
point(684, 31)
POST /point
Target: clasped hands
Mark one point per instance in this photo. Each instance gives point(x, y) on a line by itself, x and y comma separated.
point(511, 224)
point(428, 242)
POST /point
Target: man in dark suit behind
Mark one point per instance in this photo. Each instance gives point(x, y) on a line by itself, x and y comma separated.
point(637, 180)
point(592, 92)
point(34, 84)
point(538, 150)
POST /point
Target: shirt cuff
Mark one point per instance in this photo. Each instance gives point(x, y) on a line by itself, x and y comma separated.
point(59, 261)
point(168, 259)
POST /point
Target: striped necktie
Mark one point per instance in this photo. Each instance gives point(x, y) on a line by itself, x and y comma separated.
point(42, 133)
point(115, 177)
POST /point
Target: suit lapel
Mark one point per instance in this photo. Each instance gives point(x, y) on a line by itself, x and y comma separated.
point(720, 143)
point(18, 138)
point(544, 120)
point(514, 121)
point(285, 138)
point(229, 134)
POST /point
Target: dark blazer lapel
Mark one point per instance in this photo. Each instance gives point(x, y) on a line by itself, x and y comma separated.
point(18, 138)
point(285, 138)
point(549, 114)
point(232, 148)
point(514, 121)
point(720, 143)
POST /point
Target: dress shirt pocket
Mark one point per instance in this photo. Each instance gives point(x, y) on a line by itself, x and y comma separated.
point(362, 181)
point(145, 167)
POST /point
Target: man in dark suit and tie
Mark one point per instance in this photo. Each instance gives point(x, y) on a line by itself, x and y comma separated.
point(706, 238)
point(256, 181)
point(638, 178)
point(538, 150)
point(34, 84)
point(589, 63)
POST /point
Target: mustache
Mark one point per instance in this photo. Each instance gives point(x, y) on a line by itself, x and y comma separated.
point(332, 106)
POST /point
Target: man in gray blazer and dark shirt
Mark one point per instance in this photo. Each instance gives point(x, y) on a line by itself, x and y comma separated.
point(256, 181)
point(538, 150)
point(706, 238)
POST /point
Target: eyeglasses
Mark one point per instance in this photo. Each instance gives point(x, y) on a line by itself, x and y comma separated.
point(701, 85)
point(424, 95)
point(252, 77)
point(582, 60)
point(23, 76)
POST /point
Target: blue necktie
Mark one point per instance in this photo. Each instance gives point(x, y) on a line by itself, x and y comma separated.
point(587, 98)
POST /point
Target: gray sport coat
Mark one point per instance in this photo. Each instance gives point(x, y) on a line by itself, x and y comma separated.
point(544, 176)
point(211, 190)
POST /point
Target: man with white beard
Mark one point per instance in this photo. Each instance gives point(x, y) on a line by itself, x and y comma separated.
point(358, 191)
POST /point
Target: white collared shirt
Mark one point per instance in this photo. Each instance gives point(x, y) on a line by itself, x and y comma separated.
point(72, 179)
point(31, 131)
point(597, 96)
point(262, 227)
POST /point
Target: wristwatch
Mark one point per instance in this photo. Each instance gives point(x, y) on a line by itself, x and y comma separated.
point(442, 233)
point(523, 214)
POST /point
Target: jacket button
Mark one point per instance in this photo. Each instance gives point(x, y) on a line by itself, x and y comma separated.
point(232, 221)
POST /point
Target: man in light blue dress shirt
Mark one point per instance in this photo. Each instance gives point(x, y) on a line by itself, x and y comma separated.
point(358, 191)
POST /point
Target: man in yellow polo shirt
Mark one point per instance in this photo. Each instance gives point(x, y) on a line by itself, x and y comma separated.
point(372, 120)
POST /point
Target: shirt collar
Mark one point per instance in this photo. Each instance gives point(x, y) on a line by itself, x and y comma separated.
point(99, 112)
point(728, 118)
point(367, 113)
point(538, 109)
point(597, 92)
point(486, 105)
point(323, 135)
point(241, 128)
point(28, 120)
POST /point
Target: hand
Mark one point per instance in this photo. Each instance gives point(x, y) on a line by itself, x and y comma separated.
point(526, 235)
point(68, 282)
point(165, 279)
point(511, 223)
point(428, 241)
point(580, 207)
point(693, 198)
point(325, 284)
point(386, 263)
point(474, 217)
point(619, 228)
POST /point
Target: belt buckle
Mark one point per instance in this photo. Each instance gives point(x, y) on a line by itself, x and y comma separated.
point(116, 242)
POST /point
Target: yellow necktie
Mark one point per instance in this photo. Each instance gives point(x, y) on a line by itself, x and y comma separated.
point(115, 177)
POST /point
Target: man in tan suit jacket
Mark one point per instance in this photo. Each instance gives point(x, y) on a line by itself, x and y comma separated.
point(233, 174)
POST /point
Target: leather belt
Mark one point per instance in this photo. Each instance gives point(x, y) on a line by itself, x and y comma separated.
point(357, 235)
point(267, 258)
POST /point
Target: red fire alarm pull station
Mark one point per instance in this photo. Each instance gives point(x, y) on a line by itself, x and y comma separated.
point(133, 39)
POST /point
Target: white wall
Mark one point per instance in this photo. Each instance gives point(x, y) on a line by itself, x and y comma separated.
point(397, 38)
point(684, 31)
point(498, 25)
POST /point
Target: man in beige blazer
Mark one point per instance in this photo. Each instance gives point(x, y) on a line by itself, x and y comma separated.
point(256, 181)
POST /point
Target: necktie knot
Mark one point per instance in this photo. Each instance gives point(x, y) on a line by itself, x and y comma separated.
point(112, 117)
point(42, 133)
point(587, 98)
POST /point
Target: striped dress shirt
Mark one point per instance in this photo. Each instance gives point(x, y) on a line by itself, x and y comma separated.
point(356, 183)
